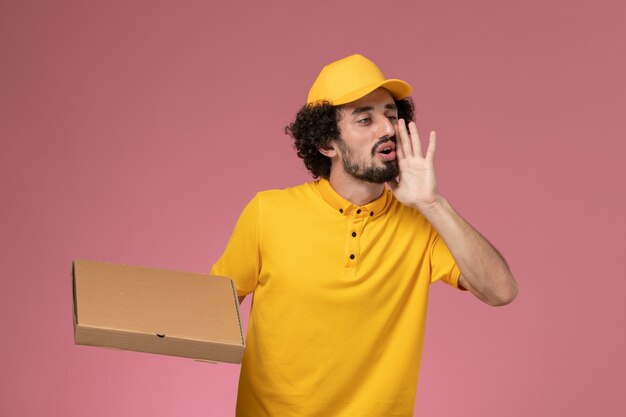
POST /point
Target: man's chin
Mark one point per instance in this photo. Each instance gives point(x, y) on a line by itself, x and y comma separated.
point(380, 175)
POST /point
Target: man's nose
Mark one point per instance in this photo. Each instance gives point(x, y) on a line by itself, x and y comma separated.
point(387, 127)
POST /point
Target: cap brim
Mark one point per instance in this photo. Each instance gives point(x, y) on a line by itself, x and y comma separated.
point(398, 89)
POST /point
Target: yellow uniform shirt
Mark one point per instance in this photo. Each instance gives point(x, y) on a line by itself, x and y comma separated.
point(339, 308)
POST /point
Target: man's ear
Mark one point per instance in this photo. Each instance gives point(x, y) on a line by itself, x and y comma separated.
point(328, 150)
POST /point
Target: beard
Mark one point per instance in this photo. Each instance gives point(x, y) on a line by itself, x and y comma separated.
point(369, 173)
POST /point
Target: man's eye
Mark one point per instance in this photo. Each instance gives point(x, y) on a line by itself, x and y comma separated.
point(393, 118)
point(364, 121)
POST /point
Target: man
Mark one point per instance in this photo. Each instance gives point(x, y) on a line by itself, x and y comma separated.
point(340, 268)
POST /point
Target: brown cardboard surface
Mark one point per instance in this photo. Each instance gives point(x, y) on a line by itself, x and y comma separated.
point(156, 311)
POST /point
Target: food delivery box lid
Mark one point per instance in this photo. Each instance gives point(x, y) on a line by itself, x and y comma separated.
point(157, 311)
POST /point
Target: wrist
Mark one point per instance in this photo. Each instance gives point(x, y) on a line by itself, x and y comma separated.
point(433, 207)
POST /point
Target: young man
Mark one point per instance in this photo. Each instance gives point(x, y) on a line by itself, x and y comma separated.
point(340, 268)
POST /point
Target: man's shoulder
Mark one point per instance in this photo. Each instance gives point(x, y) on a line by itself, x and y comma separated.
point(286, 197)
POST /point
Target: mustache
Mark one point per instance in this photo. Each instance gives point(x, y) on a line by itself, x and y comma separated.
point(382, 140)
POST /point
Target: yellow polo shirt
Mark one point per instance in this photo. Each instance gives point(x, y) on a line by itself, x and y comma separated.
point(339, 307)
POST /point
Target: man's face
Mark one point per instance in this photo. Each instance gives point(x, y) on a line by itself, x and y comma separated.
point(367, 144)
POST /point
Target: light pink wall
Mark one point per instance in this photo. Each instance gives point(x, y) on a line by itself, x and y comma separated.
point(135, 131)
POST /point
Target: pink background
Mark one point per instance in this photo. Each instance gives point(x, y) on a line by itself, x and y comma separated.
point(135, 131)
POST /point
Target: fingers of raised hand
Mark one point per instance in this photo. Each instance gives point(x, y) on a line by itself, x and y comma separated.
point(404, 149)
point(410, 144)
point(415, 139)
point(432, 146)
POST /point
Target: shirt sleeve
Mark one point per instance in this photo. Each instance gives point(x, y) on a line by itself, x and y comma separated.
point(241, 259)
point(442, 264)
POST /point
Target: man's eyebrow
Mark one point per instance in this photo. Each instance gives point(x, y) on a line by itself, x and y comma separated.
point(358, 110)
point(362, 109)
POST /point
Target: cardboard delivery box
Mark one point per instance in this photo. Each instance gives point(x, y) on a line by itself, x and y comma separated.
point(157, 311)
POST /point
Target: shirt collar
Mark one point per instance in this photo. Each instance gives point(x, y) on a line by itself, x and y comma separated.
point(346, 208)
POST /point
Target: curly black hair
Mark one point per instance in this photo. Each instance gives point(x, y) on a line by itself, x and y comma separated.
point(317, 124)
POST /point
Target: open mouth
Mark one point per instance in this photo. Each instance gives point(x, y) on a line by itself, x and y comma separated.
point(386, 148)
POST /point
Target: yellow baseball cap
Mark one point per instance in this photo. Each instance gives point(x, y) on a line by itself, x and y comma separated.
point(351, 78)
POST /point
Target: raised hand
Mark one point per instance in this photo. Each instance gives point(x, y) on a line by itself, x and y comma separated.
point(416, 185)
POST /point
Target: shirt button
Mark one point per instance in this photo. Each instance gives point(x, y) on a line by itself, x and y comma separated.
point(353, 234)
point(371, 213)
point(340, 210)
point(358, 211)
point(352, 256)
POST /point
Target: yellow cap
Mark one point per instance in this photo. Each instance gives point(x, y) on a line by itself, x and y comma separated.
point(351, 78)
